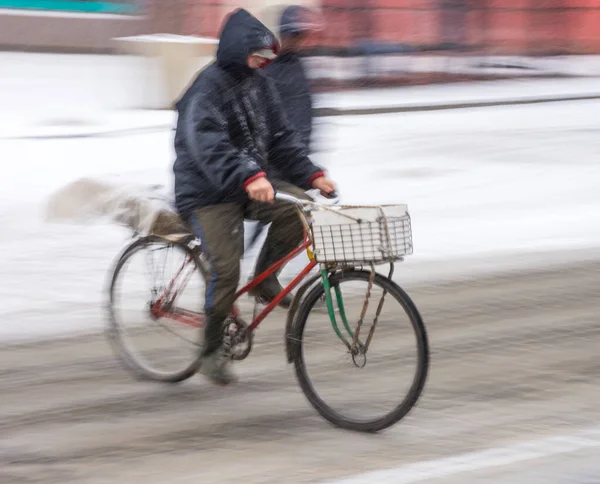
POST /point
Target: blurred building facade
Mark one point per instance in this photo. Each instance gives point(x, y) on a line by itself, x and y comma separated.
point(528, 27)
point(491, 26)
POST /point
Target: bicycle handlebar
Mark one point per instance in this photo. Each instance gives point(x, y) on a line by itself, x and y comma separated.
point(284, 197)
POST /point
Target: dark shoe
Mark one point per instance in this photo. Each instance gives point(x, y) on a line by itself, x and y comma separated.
point(268, 290)
point(217, 368)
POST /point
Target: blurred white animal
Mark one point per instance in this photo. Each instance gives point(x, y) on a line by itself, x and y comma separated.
point(145, 209)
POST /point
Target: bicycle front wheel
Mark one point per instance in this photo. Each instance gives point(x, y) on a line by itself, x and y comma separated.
point(373, 384)
point(155, 309)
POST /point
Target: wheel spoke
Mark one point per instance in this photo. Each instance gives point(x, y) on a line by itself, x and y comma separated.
point(175, 333)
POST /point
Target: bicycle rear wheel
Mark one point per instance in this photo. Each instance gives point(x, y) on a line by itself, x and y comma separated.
point(369, 391)
point(155, 309)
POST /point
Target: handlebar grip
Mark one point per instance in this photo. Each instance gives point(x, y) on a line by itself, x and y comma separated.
point(329, 196)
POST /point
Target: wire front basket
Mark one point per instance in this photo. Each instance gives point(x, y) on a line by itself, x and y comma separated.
point(373, 235)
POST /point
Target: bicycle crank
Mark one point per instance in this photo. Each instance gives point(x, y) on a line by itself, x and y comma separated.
point(237, 339)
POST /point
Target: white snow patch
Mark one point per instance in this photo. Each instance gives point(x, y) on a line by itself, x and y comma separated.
point(478, 183)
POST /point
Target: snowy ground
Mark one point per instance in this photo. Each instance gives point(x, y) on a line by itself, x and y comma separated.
point(490, 189)
point(491, 184)
point(42, 91)
point(81, 108)
point(511, 398)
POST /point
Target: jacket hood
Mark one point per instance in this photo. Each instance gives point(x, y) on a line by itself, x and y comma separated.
point(243, 34)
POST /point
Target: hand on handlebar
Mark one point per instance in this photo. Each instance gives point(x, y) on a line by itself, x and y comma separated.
point(325, 186)
point(261, 190)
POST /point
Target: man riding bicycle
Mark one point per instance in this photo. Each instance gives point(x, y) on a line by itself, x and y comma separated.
point(231, 134)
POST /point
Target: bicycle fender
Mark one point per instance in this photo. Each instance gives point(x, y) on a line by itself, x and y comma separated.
point(182, 238)
point(290, 345)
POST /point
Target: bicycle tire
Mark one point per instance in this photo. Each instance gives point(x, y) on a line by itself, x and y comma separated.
point(113, 332)
point(419, 380)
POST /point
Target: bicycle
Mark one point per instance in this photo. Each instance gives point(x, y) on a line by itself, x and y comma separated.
point(345, 244)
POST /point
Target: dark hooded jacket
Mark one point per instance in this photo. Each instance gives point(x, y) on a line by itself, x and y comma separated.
point(294, 89)
point(231, 127)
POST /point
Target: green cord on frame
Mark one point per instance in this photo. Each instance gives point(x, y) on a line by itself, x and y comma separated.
point(330, 310)
point(340, 302)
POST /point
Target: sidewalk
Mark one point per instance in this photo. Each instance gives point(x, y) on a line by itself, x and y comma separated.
point(61, 96)
point(355, 68)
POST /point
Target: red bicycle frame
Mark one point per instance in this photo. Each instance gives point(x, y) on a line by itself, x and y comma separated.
point(289, 288)
point(162, 309)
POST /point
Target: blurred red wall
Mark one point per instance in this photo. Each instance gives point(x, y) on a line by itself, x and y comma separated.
point(480, 26)
point(491, 26)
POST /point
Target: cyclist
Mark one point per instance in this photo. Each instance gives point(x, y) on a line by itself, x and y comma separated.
point(295, 27)
point(232, 133)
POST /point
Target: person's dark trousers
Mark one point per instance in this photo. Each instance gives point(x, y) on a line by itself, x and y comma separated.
point(220, 229)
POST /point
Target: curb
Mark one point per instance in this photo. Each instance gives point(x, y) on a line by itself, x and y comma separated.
point(328, 112)
point(324, 112)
